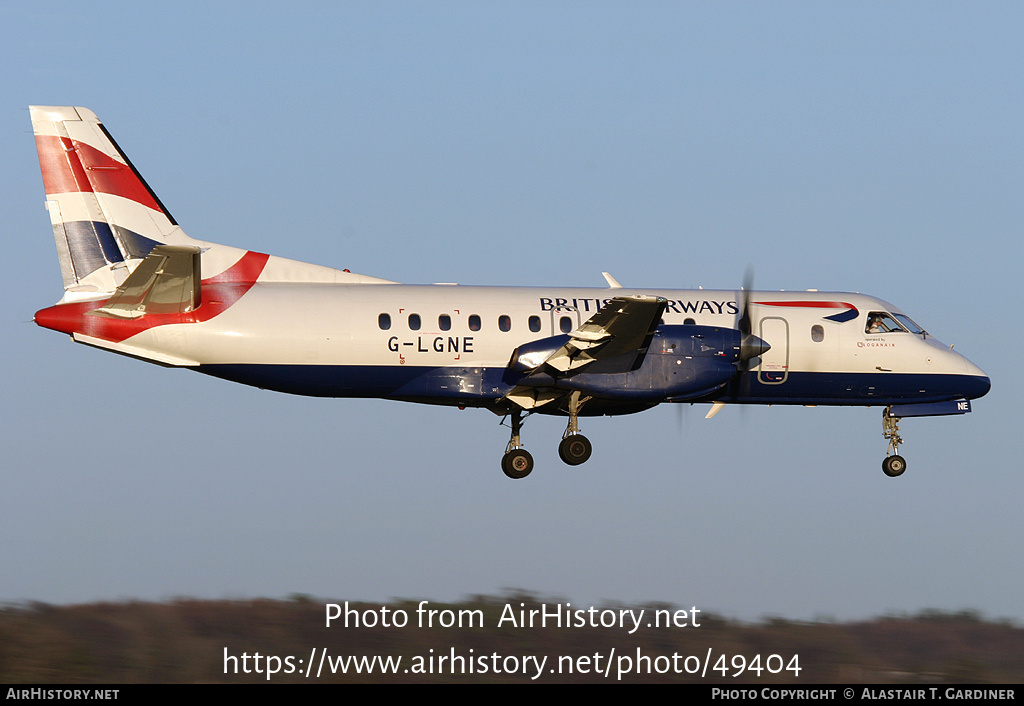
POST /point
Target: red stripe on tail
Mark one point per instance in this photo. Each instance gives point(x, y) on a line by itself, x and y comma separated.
point(70, 166)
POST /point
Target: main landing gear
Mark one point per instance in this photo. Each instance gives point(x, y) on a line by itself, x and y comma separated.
point(894, 464)
point(574, 448)
point(517, 461)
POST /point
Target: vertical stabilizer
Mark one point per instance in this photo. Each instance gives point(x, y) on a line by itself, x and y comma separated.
point(105, 217)
point(106, 220)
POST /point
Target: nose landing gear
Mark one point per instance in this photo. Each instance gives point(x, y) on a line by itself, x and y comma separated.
point(893, 465)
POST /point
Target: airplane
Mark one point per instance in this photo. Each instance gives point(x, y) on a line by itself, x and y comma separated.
point(135, 284)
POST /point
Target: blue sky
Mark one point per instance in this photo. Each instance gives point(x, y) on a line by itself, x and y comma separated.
point(870, 147)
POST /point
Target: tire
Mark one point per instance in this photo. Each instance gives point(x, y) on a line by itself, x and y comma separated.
point(517, 463)
point(894, 466)
point(575, 449)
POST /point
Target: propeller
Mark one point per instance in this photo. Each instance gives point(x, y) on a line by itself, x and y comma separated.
point(682, 414)
point(750, 345)
point(743, 315)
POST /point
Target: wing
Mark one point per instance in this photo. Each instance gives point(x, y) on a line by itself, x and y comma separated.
point(619, 334)
point(614, 340)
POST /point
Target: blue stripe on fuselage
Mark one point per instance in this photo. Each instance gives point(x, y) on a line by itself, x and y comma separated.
point(479, 386)
point(836, 388)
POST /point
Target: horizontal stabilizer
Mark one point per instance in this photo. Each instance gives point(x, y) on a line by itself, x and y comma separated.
point(166, 282)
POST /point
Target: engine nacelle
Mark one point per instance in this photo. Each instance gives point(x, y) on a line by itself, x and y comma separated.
point(530, 356)
point(682, 362)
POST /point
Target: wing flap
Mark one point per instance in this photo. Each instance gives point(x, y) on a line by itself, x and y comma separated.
point(529, 397)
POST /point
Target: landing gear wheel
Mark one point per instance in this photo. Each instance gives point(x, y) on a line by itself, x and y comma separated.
point(517, 463)
point(894, 466)
point(575, 449)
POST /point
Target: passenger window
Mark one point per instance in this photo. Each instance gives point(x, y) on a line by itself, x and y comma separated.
point(689, 322)
point(474, 322)
point(504, 323)
point(817, 333)
point(384, 321)
point(414, 322)
point(565, 324)
point(534, 324)
point(444, 322)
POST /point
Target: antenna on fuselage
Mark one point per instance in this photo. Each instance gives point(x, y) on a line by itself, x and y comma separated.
point(612, 282)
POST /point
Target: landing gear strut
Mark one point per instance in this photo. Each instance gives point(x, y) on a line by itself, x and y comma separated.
point(894, 464)
point(574, 448)
point(517, 461)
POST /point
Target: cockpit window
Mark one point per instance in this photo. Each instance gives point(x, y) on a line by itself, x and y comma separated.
point(882, 322)
point(909, 324)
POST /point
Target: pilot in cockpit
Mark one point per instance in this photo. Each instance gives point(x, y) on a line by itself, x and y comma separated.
point(882, 322)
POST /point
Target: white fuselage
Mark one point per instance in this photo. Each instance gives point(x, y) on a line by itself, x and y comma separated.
point(373, 339)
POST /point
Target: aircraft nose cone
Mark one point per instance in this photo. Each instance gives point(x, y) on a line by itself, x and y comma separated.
point(976, 382)
point(977, 386)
